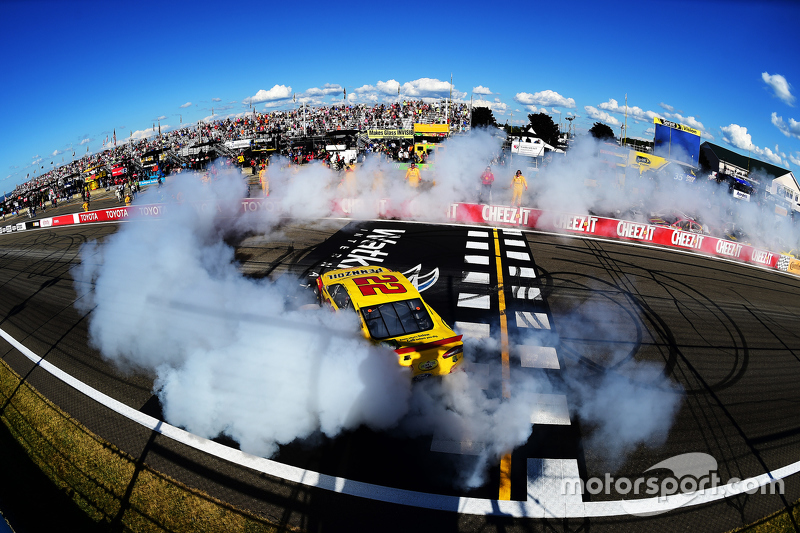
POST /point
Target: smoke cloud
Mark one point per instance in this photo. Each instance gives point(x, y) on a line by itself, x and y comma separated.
point(244, 358)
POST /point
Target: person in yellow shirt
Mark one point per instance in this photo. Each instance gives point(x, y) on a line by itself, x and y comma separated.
point(517, 183)
point(412, 176)
point(349, 183)
point(263, 177)
point(127, 200)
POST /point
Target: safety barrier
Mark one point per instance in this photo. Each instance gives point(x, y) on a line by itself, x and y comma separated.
point(500, 215)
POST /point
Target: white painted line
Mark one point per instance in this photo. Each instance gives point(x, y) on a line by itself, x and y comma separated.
point(476, 506)
point(472, 233)
point(514, 242)
point(476, 245)
point(537, 356)
point(550, 409)
point(546, 482)
point(473, 330)
point(512, 232)
point(522, 256)
point(532, 320)
point(475, 301)
point(523, 272)
point(459, 447)
point(476, 259)
point(476, 277)
point(526, 293)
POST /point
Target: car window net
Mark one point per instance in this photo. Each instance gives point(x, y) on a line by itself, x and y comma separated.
point(397, 318)
point(340, 296)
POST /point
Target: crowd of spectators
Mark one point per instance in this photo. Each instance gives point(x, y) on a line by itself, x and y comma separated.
point(290, 125)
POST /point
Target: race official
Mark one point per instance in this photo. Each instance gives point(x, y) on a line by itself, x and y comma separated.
point(412, 176)
point(517, 184)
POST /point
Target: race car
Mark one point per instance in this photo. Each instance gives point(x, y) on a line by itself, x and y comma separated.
point(392, 312)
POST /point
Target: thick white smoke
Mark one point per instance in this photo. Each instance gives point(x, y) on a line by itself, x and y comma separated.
point(242, 357)
point(231, 355)
point(582, 183)
point(622, 400)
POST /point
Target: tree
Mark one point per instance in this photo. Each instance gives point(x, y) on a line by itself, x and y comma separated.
point(482, 117)
point(602, 132)
point(545, 128)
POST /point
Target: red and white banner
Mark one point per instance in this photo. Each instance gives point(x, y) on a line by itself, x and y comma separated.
point(611, 228)
point(518, 217)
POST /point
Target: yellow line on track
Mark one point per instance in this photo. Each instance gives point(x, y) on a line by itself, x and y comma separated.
point(505, 461)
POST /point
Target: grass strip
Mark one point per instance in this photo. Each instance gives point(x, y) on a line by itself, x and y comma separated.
point(106, 483)
point(783, 520)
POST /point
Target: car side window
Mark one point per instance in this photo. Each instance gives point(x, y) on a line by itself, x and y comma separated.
point(340, 296)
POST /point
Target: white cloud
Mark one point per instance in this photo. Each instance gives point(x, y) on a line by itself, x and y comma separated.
point(795, 158)
point(216, 99)
point(364, 97)
point(780, 87)
point(602, 116)
point(667, 107)
point(545, 98)
point(532, 108)
point(635, 112)
point(85, 141)
point(428, 88)
point(388, 87)
point(650, 131)
point(365, 89)
point(480, 89)
point(187, 104)
point(278, 92)
point(792, 129)
point(496, 106)
point(162, 117)
point(138, 135)
point(771, 156)
point(325, 90)
point(738, 137)
point(556, 111)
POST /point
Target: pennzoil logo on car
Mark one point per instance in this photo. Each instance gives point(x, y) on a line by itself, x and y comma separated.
point(362, 271)
point(429, 365)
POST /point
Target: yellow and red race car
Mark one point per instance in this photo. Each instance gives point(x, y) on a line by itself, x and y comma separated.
point(392, 312)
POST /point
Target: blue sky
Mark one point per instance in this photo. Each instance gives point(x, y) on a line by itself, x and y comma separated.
point(73, 72)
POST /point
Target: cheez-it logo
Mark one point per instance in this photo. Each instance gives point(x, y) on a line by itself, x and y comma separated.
point(369, 284)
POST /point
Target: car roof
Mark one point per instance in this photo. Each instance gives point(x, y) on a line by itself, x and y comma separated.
point(347, 275)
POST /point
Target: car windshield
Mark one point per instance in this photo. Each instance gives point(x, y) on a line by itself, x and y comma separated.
point(397, 318)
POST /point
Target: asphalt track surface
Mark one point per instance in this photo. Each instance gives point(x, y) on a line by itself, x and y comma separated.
point(727, 333)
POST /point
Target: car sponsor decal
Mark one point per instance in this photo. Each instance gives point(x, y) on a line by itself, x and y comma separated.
point(419, 347)
point(422, 281)
point(428, 365)
point(386, 284)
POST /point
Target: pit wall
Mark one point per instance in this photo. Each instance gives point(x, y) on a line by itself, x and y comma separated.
point(495, 215)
